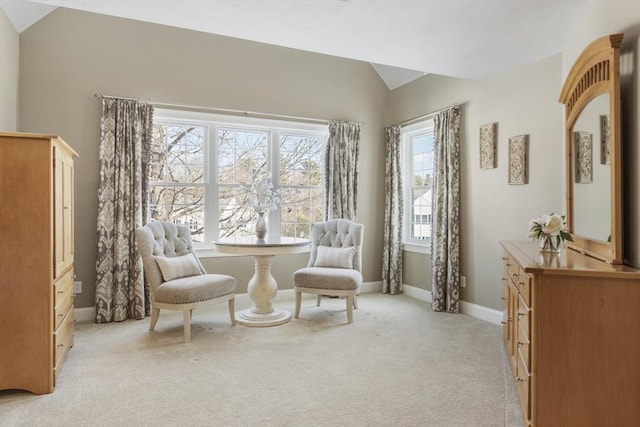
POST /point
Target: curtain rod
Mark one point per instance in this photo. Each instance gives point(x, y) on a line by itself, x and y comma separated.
point(426, 116)
point(222, 110)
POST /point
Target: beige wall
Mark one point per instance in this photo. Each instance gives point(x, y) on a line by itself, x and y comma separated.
point(9, 60)
point(70, 55)
point(524, 101)
point(601, 19)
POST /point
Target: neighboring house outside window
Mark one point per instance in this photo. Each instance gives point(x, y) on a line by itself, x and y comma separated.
point(417, 154)
point(199, 161)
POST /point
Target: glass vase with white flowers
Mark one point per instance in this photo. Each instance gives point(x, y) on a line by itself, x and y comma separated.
point(263, 198)
point(550, 230)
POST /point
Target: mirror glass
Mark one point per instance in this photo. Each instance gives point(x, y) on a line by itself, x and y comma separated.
point(591, 171)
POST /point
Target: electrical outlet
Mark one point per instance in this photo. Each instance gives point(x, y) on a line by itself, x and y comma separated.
point(463, 282)
point(77, 287)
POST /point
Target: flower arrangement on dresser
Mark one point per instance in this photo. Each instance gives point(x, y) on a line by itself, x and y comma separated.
point(550, 230)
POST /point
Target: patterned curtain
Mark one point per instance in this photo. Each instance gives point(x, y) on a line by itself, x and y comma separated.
point(126, 130)
point(341, 170)
point(445, 236)
point(392, 253)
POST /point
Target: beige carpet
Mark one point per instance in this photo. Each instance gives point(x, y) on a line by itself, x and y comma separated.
point(398, 364)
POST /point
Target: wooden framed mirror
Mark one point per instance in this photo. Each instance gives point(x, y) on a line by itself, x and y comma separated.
point(593, 148)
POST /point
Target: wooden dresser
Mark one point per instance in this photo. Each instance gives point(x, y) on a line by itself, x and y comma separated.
point(572, 335)
point(36, 259)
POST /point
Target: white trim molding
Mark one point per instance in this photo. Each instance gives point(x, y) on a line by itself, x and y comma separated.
point(478, 311)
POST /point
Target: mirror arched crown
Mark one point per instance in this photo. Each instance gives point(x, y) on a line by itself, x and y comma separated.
point(595, 73)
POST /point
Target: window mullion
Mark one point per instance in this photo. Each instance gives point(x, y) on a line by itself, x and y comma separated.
point(212, 207)
point(274, 168)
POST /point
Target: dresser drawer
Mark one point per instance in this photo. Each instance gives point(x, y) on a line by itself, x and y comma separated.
point(523, 383)
point(524, 346)
point(524, 286)
point(63, 339)
point(505, 261)
point(524, 319)
point(510, 266)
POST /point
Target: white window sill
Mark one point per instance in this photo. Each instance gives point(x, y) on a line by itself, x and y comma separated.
point(417, 248)
point(211, 252)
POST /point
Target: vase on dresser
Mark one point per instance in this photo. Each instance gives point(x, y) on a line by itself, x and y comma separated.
point(551, 244)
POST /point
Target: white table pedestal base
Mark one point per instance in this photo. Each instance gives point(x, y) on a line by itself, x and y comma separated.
point(276, 317)
point(262, 289)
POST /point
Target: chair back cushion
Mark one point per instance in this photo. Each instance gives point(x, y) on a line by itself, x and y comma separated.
point(163, 239)
point(176, 267)
point(335, 257)
point(337, 233)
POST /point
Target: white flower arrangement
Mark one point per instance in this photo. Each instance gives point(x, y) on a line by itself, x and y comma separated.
point(261, 195)
point(551, 230)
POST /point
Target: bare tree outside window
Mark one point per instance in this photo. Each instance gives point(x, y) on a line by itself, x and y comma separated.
point(185, 186)
point(242, 160)
point(301, 160)
point(177, 176)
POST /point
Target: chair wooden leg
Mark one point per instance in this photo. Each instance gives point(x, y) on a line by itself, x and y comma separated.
point(155, 312)
point(350, 308)
point(355, 302)
point(232, 311)
point(187, 325)
point(298, 303)
point(319, 297)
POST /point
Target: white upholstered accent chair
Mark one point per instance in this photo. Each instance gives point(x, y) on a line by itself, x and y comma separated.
point(335, 264)
point(176, 278)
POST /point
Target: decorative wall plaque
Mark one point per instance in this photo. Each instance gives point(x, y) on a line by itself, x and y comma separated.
point(584, 157)
point(488, 157)
point(519, 160)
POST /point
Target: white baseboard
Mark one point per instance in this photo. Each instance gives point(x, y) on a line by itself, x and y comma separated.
point(478, 311)
point(88, 314)
point(84, 314)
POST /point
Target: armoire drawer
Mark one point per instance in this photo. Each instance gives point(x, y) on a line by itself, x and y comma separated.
point(63, 339)
point(62, 286)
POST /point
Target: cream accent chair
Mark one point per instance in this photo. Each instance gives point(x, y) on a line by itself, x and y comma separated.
point(177, 279)
point(335, 264)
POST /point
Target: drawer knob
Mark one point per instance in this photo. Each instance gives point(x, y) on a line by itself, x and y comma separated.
point(504, 258)
point(503, 299)
point(60, 345)
point(520, 379)
point(514, 274)
point(61, 315)
point(59, 292)
point(522, 314)
point(508, 265)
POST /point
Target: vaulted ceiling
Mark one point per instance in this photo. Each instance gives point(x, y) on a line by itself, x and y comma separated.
point(402, 39)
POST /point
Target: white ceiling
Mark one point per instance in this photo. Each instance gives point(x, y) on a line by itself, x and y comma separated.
point(402, 39)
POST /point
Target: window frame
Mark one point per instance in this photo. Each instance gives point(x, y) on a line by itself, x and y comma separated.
point(212, 123)
point(406, 150)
